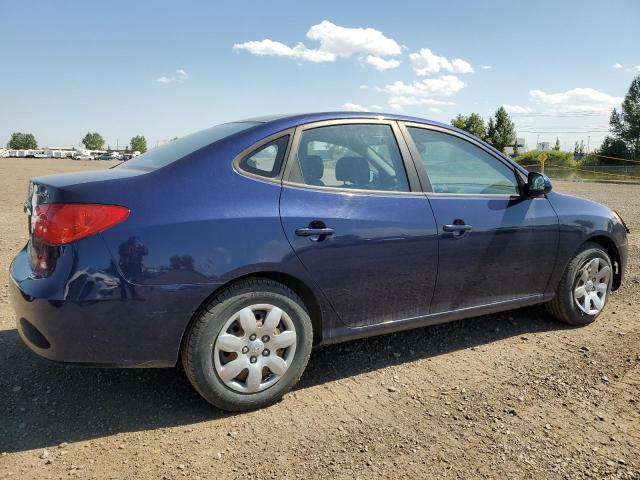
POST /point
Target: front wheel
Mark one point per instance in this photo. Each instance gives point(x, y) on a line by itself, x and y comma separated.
point(249, 346)
point(584, 288)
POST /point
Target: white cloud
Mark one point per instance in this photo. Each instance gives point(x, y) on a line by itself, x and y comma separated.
point(412, 100)
point(399, 102)
point(344, 42)
point(426, 62)
point(443, 86)
point(576, 100)
point(517, 109)
point(486, 67)
point(380, 63)
point(638, 68)
point(179, 78)
point(335, 42)
point(271, 48)
point(355, 107)
point(364, 87)
point(617, 65)
point(461, 66)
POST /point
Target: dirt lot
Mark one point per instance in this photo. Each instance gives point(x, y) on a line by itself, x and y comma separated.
point(514, 395)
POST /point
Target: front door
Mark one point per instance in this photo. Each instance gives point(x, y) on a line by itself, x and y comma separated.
point(350, 214)
point(494, 244)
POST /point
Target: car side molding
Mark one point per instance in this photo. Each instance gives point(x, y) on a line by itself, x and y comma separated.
point(345, 333)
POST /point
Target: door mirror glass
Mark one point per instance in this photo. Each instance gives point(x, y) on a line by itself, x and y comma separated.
point(538, 184)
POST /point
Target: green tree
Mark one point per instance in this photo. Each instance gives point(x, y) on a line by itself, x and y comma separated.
point(474, 124)
point(139, 143)
point(557, 145)
point(459, 122)
point(615, 148)
point(22, 141)
point(491, 129)
point(503, 132)
point(625, 124)
point(93, 141)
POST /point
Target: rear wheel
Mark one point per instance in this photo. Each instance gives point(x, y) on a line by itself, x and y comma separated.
point(584, 288)
point(249, 345)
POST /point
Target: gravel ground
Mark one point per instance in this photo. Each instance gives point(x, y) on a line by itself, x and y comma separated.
point(514, 395)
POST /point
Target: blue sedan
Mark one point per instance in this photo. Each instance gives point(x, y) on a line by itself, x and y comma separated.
point(236, 249)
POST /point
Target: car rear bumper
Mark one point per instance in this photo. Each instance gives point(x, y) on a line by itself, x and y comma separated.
point(103, 321)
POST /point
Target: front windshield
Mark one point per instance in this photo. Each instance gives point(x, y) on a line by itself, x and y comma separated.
point(176, 149)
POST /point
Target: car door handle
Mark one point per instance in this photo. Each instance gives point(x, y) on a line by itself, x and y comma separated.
point(311, 232)
point(456, 228)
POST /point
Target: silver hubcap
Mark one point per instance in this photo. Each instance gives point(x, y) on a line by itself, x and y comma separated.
point(592, 283)
point(255, 348)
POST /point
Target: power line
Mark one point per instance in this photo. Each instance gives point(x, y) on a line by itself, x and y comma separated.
point(560, 131)
point(583, 113)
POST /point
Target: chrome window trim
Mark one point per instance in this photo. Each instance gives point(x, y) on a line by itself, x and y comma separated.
point(359, 191)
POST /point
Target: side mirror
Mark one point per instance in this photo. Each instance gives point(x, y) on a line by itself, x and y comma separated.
point(537, 184)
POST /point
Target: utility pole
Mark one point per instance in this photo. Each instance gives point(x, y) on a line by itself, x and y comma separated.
point(588, 140)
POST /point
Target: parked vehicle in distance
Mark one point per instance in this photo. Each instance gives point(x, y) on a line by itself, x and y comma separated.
point(109, 156)
point(238, 248)
point(83, 155)
point(129, 155)
point(4, 153)
point(39, 154)
point(57, 154)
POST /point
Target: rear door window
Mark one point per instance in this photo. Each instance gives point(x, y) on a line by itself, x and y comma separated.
point(350, 156)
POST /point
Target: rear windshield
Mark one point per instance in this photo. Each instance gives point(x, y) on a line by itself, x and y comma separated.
point(170, 152)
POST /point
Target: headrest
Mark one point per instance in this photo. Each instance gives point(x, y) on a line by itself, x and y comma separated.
point(354, 170)
point(312, 168)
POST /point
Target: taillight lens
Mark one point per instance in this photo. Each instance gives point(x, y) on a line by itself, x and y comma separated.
point(60, 223)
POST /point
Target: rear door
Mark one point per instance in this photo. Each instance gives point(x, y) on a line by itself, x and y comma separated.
point(494, 244)
point(358, 222)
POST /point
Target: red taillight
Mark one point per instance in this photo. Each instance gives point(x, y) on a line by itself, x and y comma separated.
point(59, 223)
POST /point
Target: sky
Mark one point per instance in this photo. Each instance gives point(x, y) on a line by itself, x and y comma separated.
point(165, 69)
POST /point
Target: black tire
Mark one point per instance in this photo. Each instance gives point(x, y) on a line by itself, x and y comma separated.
point(563, 306)
point(197, 352)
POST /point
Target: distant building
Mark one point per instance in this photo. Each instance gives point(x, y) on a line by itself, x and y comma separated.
point(544, 146)
point(520, 143)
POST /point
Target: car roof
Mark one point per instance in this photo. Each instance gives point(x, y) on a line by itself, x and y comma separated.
point(302, 118)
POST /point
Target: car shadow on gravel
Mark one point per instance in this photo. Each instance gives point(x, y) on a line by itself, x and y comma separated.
point(44, 404)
